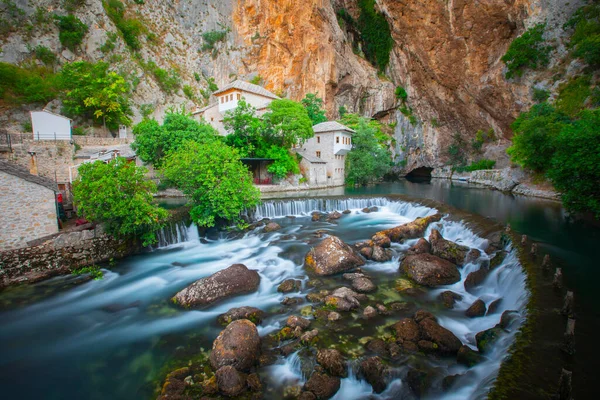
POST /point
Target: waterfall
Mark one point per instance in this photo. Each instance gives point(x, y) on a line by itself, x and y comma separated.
point(299, 208)
point(176, 232)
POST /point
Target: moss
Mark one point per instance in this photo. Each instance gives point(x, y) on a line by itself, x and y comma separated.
point(573, 95)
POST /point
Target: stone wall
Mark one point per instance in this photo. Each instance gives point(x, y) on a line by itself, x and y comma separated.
point(61, 255)
point(28, 212)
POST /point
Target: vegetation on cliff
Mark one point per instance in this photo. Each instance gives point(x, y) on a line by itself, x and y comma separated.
point(527, 51)
point(119, 195)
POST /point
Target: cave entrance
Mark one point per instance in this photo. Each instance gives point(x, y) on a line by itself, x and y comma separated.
point(421, 174)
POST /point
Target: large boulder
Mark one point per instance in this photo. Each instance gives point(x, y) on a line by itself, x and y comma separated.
point(409, 230)
point(407, 330)
point(476, 278)
point(453, 252)
point(429, 270)
point(322, 386)
point(422, 246)
point(375, 373)
point(236, 279)
point(332, 256)
point(446, 341)
point(238, 345)
point(230, 382)
point(477, 309)
point(333, 362)
point(252, 313)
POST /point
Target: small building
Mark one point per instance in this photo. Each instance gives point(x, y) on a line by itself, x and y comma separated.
point(227, 100)
point(47, 125)
point(28, 208)
point(330, 144)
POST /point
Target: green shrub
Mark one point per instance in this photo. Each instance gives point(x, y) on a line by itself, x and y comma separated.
point(572, 95)
point(130, 28)
point(477, 165)
point(585, 40)
point(78, 131)
point(72, 5)
point(71, 31)
point(376, 37)
point(110, 44)
point(189, 92)
point(27, 127)
point(94, 271)
point(169, 81)
point(314, 107)
point(401, 93)
point(197, 76)
point(284, 164)
point(211, 38)
point(435, 123)
point(482, 137)
point(527, 51)
point(575, 167)
point(540, 95)
point(456, 152)
point(45, 55)
point(146, 109)
point(257, 80)
point(212, 86)
point(342, 111)
point(26, 85)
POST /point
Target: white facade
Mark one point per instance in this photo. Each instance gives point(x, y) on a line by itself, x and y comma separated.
point(50, 126)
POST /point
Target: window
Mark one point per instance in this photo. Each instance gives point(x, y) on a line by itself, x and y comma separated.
point(337, 139)
point(212, 119)
point(62, 187)
point(222, 100)
point(239, 96)
point(318, 154)
point(318, 139)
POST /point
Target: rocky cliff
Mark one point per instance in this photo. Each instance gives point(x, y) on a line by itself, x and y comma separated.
point(446, 54)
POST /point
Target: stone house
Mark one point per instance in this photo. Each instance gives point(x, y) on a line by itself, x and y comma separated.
point(329, 146)
point(28, 209)
point(228, 98)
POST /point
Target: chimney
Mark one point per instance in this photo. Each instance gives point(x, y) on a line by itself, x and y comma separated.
point(33, 168)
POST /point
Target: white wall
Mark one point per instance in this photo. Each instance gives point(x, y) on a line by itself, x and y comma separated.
point(47, 126)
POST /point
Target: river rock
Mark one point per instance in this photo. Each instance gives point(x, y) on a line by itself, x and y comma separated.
point(230, 382)
point(354, 275)
point(468, 356)
point(494, 305)
point(334, 316)
point(254, 383)
point(375, 373)
point(477, 309)
point(346, 212)
point(272, 227)
point(236, 279)
point(333, 362)
point(369, 312)
point(407, 329)
point(238, 345)
point(334, 215)
point(317, 297)
point(420, 315)
point(363, 285)
point(453, 252)
point(366, 252)
point(446, 341)
point(476, 278)
point(251, 313)
point(294, 321)
point(497, 259)
point(422, 246)
point(174, 383)
point(307, 337)
point(429, 270)
point(289, 285)
point(507, 319)
point(448, 298)
point(377, 346)
point(409, 230)
point(380, 254)
point(332, 256)
point(486, 339)
point(323, 386)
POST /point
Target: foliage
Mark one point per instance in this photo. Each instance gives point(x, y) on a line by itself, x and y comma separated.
point(78, 131)
point(72, 5)
point(527, 51)
point(45, 55)
point(110, 44)
point(482, 137)
point(540, 95)
point(401, 93)
point(118, 195)
point(153, 141)
point(71, 31)
point(94, 271)
point(245, 129)
point(342, 111)
point(146, 109)
point(353, 121)
point(456, 152)
point(534, 139)
point(197, 76)
point(212, 86)
point(477, 165)
point(189, 92)
point(572, 95)
point(368, 161)
point(216, 183)
point(575, 166)
point(285, 163)
point(257, 80)
point(92, 90)
point(585, 40)
point(27, 126)
point(314, 107)
point(26, 85)
point(211, 38)
point(287, 123)
point(130, 28)
point(375, 33)
point(169, 81)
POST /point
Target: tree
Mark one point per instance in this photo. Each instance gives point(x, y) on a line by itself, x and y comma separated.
point(118, 195)
point(534, 139)
point(287, 123)
point(575, 166)
point(153, 141)
point(244, 128)
point(216, 183)
point(284, 162)
point(314, 108)
point(368, 161)
point(91, 90)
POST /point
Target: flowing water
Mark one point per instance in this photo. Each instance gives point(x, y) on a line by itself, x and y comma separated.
point(112, 338)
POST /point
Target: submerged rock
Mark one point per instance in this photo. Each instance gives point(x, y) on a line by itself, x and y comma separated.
point(323, 386)
point(236, 279)
point(238, 345)
point(369, 312)
point(332, 256)
point(253, 314)
point(409, 230)
point(272, 227)
point(375, 373)
point(448, 298)
point(363, 285)
point(453, 252)
point(477, 309)
point(429, 270)
point(486, 339)
point(294, 321)
point(333, 362)
point(289, 285)
point(468, 356)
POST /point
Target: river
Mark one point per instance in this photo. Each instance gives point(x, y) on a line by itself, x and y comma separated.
point(111, 338)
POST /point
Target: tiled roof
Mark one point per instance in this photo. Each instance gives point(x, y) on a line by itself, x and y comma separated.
point(331, 126)
point(246, 87)
point(312, 159)
point(20, 172)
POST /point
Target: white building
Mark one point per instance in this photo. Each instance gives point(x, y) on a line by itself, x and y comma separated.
point(331, 143)
point(228, 98)
point(49, 126)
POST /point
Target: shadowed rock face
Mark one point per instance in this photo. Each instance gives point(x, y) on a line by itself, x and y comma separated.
point(236, 279)
point(332, 256)
point(238, 346)
point(429, 270)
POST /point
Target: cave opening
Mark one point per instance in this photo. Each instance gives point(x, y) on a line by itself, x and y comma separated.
point(420, 174)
